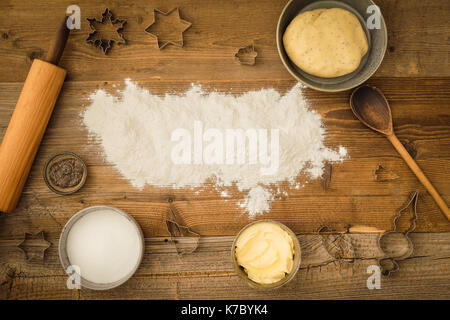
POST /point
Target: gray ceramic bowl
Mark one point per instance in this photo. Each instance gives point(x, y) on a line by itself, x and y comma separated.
point(65, 259)
point(377, 39)
point(297, 258)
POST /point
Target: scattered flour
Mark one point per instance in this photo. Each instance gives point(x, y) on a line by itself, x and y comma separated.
point(135, 130)
point(257, 200)
point(225, 194)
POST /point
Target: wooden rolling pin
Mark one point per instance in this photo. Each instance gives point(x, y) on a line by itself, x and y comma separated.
point(29, 121)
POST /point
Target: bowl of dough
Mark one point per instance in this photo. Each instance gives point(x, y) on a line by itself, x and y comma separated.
point(331, 45)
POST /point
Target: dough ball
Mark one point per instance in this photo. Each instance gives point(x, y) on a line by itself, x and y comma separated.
point(326, 43)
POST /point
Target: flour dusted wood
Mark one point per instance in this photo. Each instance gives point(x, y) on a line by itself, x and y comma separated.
point(140, 133)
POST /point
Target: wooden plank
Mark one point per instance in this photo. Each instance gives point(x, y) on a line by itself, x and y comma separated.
point(418, 47)
point(208, 273)
point(421, 118)
point(418, 40)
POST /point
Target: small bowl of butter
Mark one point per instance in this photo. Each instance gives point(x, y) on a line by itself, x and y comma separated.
point(266, 254)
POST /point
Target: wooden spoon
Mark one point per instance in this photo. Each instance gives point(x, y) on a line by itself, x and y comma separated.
point(371, 107)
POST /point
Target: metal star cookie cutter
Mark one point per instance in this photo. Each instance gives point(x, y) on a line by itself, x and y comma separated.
point(389, 263)
point(29, 241)
point(105, 44)
point(179, 43)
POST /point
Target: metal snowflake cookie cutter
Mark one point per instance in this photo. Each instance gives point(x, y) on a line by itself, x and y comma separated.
point(65, 173)
point(246, 55)
point(389, 263)
point(34, 246)
point(163, 44)
point(97, 39)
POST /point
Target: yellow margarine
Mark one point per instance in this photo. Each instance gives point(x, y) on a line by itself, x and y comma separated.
point(266, 252)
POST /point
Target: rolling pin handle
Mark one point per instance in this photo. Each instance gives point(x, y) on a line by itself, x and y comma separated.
point(59, 42)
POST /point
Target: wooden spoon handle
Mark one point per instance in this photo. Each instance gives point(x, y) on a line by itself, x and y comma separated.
point(419, 174)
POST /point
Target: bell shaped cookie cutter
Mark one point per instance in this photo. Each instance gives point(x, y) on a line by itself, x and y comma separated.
point(175, 229)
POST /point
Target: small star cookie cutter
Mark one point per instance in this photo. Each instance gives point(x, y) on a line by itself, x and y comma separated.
point(389, 263)
point(179, 43)
point(99, 42)
point(34, 245)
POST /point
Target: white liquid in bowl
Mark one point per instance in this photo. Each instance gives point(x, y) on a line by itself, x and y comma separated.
point(105, 245)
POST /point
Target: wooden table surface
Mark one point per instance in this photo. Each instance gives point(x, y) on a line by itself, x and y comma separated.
point(415, 76)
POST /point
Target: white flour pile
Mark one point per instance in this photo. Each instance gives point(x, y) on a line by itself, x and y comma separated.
point(185, 140)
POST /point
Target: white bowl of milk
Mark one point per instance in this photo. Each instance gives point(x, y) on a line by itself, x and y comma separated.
point(100, 248)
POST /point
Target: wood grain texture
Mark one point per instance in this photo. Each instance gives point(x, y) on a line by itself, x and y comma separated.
point(418, 40)
point(415, 77)
point(208, 273)
point(353, 197)
point(420, 175)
